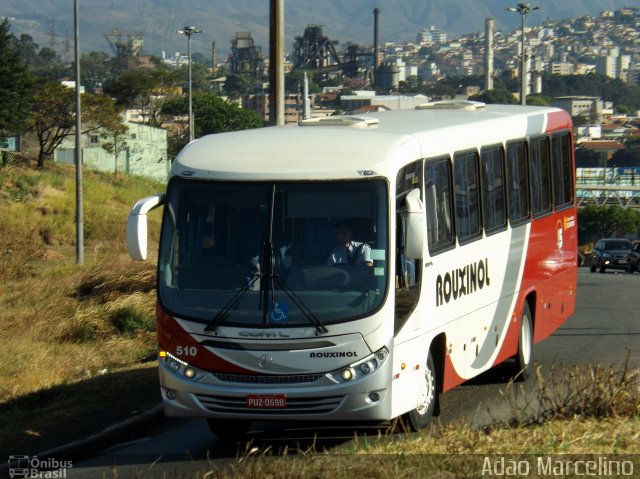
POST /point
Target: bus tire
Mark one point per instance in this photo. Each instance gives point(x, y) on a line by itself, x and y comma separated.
point(524, 356)
point(232, 429)
point(420, 417)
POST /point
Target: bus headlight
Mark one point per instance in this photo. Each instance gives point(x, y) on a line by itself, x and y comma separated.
point(359, 369)
point(179, 366)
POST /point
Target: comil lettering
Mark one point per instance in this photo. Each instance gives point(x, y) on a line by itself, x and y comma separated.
point(462, 281)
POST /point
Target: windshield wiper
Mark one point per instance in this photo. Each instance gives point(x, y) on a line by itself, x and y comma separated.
point(320, 328)
point(223, 314)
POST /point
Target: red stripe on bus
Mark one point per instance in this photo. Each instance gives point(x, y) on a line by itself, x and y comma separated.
point(558, 120)
point(450, 376)
point(172, 336)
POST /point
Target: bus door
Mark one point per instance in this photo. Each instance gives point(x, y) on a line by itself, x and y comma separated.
point(408, 266)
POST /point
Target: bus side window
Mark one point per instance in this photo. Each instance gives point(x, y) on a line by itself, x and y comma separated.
point(493, 194)
point(562, 170)
point(466, 178)
point(438, 204)
point(518, 182)
point(540, 163)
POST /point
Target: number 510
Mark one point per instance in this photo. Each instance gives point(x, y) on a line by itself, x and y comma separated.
point(186, 350)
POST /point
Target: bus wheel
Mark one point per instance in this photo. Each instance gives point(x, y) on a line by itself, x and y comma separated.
point(525, 346)
point(419, 418)
point(234, 429)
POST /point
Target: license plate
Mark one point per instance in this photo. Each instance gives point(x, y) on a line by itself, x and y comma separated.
point(266, 401)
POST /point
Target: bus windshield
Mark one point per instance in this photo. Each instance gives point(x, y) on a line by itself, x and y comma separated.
point(273, 254)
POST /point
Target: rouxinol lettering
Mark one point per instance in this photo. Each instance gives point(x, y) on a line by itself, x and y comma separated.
point(462, 281)
point(336, 354)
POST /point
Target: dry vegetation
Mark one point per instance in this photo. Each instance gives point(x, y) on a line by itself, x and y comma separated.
point(62, 323)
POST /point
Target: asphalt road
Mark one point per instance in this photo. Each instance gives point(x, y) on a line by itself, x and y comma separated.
point(604, 330)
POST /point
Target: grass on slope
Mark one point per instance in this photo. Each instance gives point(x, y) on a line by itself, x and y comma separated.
point(62, 323)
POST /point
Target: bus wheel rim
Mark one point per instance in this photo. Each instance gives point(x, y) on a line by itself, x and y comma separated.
point(526, 340)
point(426, 392)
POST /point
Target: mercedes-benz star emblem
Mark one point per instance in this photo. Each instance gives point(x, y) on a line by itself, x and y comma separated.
point(265, 361)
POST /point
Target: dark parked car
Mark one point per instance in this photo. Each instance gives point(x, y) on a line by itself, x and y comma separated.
point(634, 259)
point(610, 253)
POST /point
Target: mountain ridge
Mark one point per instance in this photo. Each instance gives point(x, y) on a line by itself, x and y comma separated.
point(50, 22)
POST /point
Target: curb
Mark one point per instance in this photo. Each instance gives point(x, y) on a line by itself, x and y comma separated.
point(109, 436)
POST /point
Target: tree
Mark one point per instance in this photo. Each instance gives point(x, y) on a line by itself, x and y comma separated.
point(27, 50)
point(212, 114)
point(200, 76)
point(410, 85)
point(294, 81)
point(629, 155)
point(143, 90)
point(118, 135)
point(537, 100)
point(15, 86)
point(125, 88)
point(588, 158)
point(96, 70)
point(440, 90)
point(40, 62)
point(495, 96)
point(52, 116)
point(237, 85)
point(606, 221)
point(624, 110)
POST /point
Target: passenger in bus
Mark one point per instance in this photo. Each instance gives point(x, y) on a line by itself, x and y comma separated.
point(349, 251)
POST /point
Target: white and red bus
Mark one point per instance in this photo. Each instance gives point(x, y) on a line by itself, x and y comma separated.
point(466, 213)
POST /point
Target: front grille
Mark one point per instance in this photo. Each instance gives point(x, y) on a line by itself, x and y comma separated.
point(226, 404)
point(271, 379)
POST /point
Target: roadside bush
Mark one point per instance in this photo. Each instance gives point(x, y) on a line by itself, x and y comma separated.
point(128, 320)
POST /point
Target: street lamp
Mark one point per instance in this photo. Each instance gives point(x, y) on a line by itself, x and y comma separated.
point(78, 149)
point(189, 32)
point(522, 9)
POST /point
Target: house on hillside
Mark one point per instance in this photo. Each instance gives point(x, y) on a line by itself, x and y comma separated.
point(145, 153)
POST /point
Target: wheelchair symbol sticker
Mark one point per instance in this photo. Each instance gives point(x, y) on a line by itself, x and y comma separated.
point(279, 312)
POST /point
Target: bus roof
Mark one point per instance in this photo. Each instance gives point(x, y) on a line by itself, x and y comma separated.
point(344, 147)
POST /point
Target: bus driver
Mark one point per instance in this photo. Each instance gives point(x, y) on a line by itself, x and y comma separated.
point(349, 251)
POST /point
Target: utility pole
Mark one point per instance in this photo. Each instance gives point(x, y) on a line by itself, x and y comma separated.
point(276, 62)
point(522, 9)
point(376, 13)
point(78, 151)
point(189, 32)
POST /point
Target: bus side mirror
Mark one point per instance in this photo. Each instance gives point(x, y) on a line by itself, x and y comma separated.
point(416, 225)
point(137, 226)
